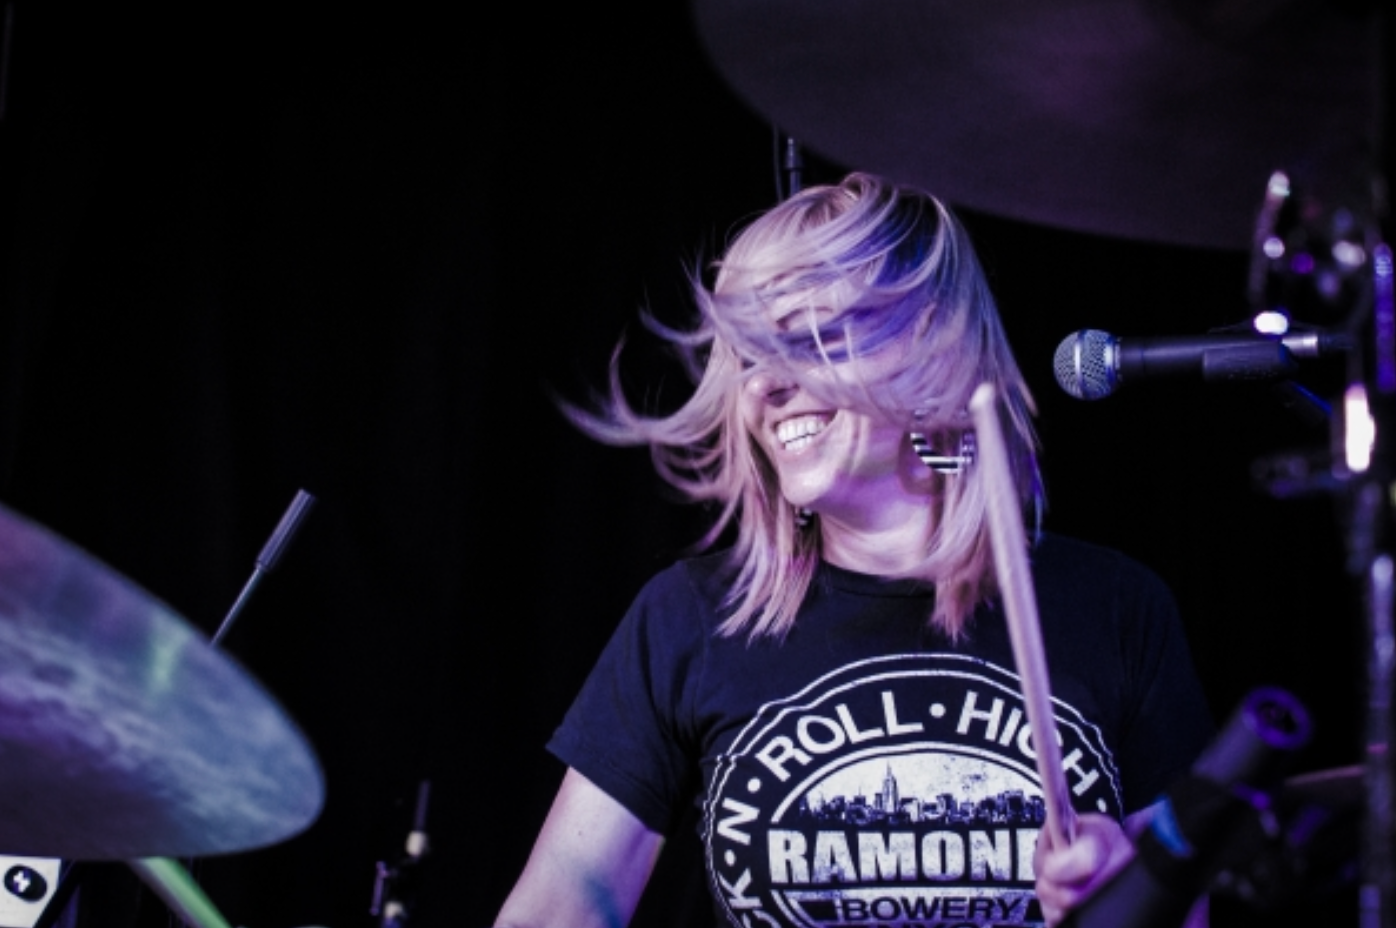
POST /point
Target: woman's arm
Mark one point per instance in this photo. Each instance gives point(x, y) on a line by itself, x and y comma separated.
point(588, 867)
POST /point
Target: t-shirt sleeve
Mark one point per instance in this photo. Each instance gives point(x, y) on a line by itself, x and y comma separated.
point(628, 730)
point(1169, 723)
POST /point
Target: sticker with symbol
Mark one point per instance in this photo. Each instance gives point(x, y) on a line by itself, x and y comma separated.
point(26, 883)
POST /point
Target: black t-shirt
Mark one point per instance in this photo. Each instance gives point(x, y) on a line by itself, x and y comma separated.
point(867, 771)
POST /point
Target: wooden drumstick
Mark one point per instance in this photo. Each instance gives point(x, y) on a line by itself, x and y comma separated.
point(173, 884)
point(1015, 585)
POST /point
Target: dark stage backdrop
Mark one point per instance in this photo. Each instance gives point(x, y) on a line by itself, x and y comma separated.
point(263, 249)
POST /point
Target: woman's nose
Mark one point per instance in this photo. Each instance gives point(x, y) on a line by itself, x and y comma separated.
point(766, 387)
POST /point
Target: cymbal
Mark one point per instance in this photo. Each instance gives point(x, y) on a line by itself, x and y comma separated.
point(1157, 120)
point(1337, 786)
point(123, 734)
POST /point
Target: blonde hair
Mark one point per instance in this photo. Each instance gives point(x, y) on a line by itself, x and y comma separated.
point(861, 266)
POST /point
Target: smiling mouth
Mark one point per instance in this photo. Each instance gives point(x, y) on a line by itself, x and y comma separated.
point(797, 432)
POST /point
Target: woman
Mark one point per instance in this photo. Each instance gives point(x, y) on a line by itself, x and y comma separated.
point(836, 691)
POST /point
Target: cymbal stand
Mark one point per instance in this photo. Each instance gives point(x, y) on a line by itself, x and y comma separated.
point(268, 557)
point(68, 882)
point(1370, 419)
point(1362, 463)
point(1361, 476)
point(266, 562)
point(789, 163)
point(394, 887)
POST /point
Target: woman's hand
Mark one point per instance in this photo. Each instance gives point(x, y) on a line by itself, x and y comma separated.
point(1067, 876)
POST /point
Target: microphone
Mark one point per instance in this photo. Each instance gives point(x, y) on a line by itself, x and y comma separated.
point(1091, 364)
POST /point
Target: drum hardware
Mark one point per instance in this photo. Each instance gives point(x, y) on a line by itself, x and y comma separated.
point(67, 884)
point(395, 887)
point(1330, 264)
point(1303, 849)
point(790, 164)
point(1310, 256)
point(1296, 475)
point(1204, 818)
point(268, 557)
point(266, 561)
point(1338, 262)
point(1335, 829)
point(1312, 410)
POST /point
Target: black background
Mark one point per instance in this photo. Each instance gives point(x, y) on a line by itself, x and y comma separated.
point(256, 250)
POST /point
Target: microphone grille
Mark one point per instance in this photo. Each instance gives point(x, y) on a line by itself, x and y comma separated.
point(1082, 364)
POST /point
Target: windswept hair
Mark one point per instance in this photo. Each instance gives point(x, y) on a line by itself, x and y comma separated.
point(855, 269)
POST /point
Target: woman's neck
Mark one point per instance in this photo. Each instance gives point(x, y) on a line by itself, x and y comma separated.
point(894, 546)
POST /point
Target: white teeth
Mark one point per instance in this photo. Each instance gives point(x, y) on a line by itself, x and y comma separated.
point(798, 432)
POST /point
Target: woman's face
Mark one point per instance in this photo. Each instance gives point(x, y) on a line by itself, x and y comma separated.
point(836, 461)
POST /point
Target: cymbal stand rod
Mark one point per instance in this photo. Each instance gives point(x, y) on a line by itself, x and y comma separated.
point(394, 888)
point(266, 561)
point(68, 882)
point(789, 164)
point(1373, 512)
point(1377, 891)
point(1368, 450)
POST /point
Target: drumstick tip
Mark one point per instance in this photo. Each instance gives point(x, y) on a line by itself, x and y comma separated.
point(982, 398)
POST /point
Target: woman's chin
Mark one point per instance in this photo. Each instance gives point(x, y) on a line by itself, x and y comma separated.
point(804, 497)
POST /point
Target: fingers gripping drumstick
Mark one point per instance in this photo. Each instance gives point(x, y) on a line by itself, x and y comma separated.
point(1015, 585)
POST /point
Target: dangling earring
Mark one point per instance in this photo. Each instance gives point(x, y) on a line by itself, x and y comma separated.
point(942, 463)
point(803, 517)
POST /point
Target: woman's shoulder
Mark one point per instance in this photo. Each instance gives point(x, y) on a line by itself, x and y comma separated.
point(691, 584)
point(1082, 566)
point(1056, 550)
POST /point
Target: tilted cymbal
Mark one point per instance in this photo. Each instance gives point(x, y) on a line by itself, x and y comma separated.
point(1158, 120)
point(1338, 786)
point(123, 734)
